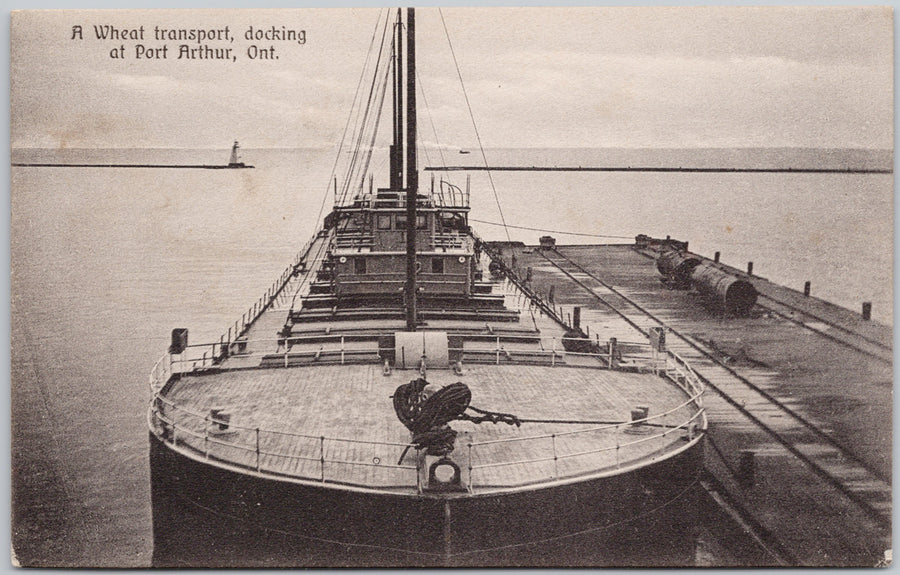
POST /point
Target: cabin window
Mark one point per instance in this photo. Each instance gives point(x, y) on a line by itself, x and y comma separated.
point(359, 266)
point(384, 222)
point(401, 221)
point(421, 222)
point(437, 266)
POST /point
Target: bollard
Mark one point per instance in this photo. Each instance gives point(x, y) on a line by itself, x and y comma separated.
point(749, 268)
point(747, 469)
point(576, 317)
point(716, 257)
point(639, 413)
point(806, 287)
point(219, 421)
point(867, 310)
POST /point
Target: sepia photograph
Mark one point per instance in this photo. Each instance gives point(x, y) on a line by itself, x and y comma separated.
point(452, 287)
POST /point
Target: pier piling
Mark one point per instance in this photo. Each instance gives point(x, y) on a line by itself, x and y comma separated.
point(747, 469)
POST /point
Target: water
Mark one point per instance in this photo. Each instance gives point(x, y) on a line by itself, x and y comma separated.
point(105, 262)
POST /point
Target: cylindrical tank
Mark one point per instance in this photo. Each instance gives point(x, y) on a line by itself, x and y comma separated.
point(736, 295)
point(677, 266)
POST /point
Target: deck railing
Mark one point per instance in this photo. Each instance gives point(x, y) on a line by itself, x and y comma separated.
point(376, 465)
point(497, 349)
point(212, 436)
point(637, 440)
point(275, 293)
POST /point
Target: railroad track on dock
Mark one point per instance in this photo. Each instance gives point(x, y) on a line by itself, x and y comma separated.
point(862, 343)
point(834, 463)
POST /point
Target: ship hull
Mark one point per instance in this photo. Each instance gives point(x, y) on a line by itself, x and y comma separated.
point(206, 515)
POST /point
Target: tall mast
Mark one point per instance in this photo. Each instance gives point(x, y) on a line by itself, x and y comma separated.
point(396, 151)
point(412, 176)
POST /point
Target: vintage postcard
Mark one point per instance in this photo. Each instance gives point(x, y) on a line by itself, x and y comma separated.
point(459, 287)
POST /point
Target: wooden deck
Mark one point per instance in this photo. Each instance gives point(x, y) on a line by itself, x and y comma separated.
point(350, 406)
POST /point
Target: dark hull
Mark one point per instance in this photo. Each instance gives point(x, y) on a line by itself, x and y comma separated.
point(207, 516)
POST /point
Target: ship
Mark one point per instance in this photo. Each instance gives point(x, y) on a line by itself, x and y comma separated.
point(403, 396)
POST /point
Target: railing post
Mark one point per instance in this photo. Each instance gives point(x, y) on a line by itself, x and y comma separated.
point(206, 436)
point(257, 449)
point(342, 350)
point(555, 460)
point(617, 447)
point(471, 483)
point(553, 354)
point(322, 457)
point(498, 350)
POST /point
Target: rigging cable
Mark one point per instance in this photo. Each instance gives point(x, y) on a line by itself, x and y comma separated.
point(379, 107)
point(373, 96)
point(552, 231)
point(472, 117)
point(337, 158)
point(437, 140)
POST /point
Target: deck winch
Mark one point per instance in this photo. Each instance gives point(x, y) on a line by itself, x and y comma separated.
point(426, 409)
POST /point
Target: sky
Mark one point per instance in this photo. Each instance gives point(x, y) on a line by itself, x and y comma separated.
point(676, 77)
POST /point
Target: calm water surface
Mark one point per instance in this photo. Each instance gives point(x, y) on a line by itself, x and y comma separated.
point(105, 262)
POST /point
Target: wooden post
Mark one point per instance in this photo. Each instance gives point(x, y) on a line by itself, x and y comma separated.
point(867, 310)
point(716, 257)
point(747, 469)
point(749, 268)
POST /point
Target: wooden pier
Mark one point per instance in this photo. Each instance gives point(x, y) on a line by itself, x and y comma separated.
point(799, 449)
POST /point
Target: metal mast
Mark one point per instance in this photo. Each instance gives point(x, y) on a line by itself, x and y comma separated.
point(412, 176)
point(396, 151)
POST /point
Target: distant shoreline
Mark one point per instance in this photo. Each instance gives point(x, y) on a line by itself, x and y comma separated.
point(195, 166)
point(657, 169)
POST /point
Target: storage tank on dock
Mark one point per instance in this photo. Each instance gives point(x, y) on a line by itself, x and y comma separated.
point(736, 295)
point(677, 266)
